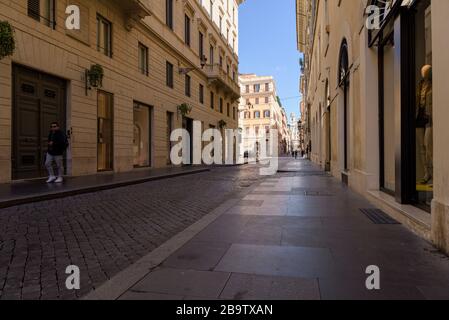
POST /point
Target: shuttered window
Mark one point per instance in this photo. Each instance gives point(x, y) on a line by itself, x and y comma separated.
point(42, 11)
point(34, 9)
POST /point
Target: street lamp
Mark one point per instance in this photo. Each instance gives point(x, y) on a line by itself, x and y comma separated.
point(203, 63)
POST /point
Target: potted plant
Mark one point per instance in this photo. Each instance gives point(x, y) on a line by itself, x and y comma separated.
point(7, 42)
point(96, 74)
point(184, 109)
point(222, 124)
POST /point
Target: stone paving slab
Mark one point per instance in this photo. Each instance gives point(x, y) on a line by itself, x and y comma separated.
point(285, 261)
point(198, 255)
point(256, 287)
point(201, 284)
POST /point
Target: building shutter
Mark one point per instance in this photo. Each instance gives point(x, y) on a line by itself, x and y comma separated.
point(34, 9)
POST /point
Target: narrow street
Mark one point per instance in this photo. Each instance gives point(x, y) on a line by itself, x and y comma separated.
point(298, 235)
point(238, 150)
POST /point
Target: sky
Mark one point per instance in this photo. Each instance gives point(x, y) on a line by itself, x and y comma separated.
point(267, 46)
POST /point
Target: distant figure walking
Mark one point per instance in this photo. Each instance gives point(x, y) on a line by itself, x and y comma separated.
point(57, 145)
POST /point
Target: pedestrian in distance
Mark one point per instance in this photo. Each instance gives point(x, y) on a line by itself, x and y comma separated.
point(57, 145)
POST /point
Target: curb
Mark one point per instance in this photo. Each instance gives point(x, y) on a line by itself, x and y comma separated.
point(101, 187)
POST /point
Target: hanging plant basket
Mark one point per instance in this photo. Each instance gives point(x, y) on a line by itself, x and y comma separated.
point(184, 109)
point(7, 42)
point(222, 124)
point(96, 74)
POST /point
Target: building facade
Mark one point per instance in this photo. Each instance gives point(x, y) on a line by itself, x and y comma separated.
point(295, 137)
point(375, 101)
point(154, 56)
point(260, 111)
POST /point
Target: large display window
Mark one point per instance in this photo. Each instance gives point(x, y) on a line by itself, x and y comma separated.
point(423, 103)
point(105, 122)
point(142, 135)
point(404, 45)
point(388, 110)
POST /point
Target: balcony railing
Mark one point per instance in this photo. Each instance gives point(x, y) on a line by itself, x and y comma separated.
point(216, 75)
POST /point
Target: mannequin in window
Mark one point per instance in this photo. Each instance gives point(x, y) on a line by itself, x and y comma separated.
point(424, 123)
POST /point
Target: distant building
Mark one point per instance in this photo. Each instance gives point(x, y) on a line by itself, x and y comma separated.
point(260, 111)
point(294, 126)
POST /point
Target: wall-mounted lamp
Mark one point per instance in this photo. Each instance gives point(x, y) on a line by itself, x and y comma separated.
point(203, 63)
point(93, 77)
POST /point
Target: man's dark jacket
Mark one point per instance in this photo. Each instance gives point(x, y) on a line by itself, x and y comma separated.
point(59, 143)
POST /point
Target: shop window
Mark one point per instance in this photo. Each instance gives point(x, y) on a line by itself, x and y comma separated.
point(388, 109)
point(169, 127)
point(142, 135)
point(423, 103)
point(105, 121)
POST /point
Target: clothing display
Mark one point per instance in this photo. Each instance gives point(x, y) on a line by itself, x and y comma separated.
point(424, 123)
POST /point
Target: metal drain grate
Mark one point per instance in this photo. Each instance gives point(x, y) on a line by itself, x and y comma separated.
point(312, 192)
point(377, 216)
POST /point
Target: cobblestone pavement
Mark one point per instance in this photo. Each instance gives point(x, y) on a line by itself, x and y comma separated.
point(103, 233)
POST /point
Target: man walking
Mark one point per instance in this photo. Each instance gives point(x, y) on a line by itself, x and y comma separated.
point(57, 144)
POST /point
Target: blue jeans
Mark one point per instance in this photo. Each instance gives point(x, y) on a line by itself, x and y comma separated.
point(58, 160)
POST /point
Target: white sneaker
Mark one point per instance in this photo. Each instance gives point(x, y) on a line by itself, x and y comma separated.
point(59, 180)
point(51, 179)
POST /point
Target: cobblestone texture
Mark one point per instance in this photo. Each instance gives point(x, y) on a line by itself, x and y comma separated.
point(103, 233)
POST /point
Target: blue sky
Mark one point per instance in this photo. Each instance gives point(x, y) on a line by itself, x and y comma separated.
point(267, 31)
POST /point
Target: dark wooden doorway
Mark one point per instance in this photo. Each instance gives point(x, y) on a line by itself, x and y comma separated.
point(38, 100)
point(187, 124)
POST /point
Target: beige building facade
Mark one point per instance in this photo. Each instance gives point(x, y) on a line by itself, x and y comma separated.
point(155, 56)
point(260, 111)
point(295, 136)
point(375, 101)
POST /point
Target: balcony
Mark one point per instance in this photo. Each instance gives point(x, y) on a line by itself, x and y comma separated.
point(218, 77)
point(134, 11)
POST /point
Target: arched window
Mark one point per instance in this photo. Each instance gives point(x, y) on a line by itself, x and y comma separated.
point(257, 114)
point(343, 70)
